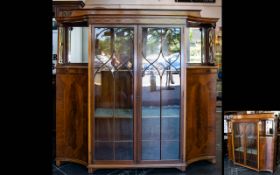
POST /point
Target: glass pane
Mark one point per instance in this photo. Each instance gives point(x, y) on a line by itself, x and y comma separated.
point(78, 45)
point(54, 45)
point(269, 127)
point(195, 45)
point(113, 79)
point(161, 66)
point(251, 145)
point(238, 129)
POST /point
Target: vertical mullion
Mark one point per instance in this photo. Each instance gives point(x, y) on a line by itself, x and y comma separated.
point(138, 96)
point(160, 98)
point(135, 102)
point(182, 92)
point(114, 118)
point(160, 114)
point(91, 33)
point(114, 92)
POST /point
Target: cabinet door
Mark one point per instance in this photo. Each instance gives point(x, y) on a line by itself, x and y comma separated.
point(161, 93)
point(113, 93)
point(239, 142)
point(245, 140)
point(251, 142)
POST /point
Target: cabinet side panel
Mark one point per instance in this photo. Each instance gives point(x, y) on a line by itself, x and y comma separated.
point(267, 153)
point(278, 149)
point(201, 113)
point(71, 114)
point(229, 146)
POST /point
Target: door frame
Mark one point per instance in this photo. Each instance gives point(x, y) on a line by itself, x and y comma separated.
point(139, 94)
point(137, 124)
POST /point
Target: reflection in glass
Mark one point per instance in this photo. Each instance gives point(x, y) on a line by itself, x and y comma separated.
point(113, 80)
point(251, 145)
point(161, 67)
point(54, 45)
point(196, 45)
point(245, 143)
point(238, 129)
point(269, 127)
point(78, 45)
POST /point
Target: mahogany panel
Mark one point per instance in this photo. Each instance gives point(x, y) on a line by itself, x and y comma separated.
point(201, 105)
point(267, 162)
point(71, 113)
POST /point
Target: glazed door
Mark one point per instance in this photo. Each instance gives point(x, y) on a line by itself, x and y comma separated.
point(246, 143)
point(238, 142)
point(113, 76)
point(159, 77)
point(251, 142)
point(136, 92)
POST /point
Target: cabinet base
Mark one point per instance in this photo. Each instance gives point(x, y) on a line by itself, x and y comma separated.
point(92, 167)
point(182, 168)
point(58, 161)
point(211, 159)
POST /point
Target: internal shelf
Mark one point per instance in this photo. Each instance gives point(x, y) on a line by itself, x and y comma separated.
point(240, 149)
point(252, 151)
point(248, 150)
point(147, 112)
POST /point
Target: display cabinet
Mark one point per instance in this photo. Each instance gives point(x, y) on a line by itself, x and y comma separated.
point(254, 138)
point(132, 100)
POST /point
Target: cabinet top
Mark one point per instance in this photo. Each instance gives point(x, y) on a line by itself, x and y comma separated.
point(201, 67)
point(254, 116)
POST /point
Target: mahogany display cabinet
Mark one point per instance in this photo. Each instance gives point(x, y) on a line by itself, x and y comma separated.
point(135, 100)
point(254, 141)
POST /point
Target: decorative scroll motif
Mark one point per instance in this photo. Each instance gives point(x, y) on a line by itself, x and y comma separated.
point(211, 34)
point(66, 13)
point(61, 45)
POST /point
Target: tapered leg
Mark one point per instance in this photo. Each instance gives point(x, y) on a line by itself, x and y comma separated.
point(90, 170)
point(213, 161)
point(182, 168)
point(57, 163)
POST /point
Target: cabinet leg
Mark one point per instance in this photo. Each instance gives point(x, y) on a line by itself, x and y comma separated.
point(182, 168)
point(213, 161)
point(57, 163)
point(90, 170)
